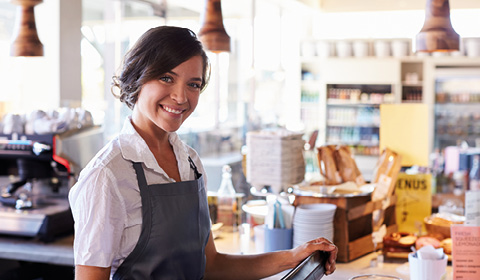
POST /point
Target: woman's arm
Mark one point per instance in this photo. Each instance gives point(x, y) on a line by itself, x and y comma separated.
point(257, 266)
point(85, 272)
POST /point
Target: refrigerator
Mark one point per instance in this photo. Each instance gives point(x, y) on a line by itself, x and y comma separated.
point(457, 106)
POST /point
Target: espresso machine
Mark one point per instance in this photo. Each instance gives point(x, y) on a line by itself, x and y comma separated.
point(36, 173)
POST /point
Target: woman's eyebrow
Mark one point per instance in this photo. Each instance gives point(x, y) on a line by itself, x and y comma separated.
point(193, 79)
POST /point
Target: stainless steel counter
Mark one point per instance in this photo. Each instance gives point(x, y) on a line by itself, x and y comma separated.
point(59, 252)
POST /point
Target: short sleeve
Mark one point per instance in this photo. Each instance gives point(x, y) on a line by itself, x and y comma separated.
point(99, 213)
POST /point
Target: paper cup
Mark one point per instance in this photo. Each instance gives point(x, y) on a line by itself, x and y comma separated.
point(422, 269)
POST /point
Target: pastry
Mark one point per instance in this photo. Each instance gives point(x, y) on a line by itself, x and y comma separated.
point(446, 244)
point(399, 242)
point(427, 240)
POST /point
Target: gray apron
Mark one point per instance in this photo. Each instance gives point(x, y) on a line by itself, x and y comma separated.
point(175, 231)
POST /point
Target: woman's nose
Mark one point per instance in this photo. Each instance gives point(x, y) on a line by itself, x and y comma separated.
point(179, 94)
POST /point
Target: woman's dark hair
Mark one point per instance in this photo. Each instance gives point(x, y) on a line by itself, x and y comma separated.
point(156, 52)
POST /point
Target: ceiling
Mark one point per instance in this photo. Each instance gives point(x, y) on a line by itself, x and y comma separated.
point(384, 5)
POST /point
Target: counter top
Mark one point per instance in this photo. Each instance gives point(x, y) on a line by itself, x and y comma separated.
point(60, 252)
point(235, 243)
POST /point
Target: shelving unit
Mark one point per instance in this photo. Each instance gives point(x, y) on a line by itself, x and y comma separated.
point(409, 79)
point(353, 115)
point(412, 80)
point(310, 100)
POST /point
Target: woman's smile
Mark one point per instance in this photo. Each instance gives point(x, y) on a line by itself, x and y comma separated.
point(171, 110)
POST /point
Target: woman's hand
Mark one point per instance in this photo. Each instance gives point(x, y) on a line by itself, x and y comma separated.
point(319, 244)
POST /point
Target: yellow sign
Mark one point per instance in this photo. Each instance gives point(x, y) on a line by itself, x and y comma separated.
point(404, 128)
point(414, 201)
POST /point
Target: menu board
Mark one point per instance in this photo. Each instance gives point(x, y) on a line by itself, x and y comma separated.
point(414, 201)
point(465, 252)
point(472, 208)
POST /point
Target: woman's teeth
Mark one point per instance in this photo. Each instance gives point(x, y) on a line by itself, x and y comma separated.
point(171, 110)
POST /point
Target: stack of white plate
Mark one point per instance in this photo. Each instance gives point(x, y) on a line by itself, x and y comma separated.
point(312, 221)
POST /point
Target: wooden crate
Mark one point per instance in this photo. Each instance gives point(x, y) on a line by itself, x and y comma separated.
point(353, 223)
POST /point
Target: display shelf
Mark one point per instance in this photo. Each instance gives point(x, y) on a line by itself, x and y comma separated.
point(340, 102)
point(412, 93)
point(350, 124)
point(412, 80)
point(353, 115)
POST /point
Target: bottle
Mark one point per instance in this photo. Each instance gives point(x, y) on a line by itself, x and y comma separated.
point(474, 176)
point(227, 202)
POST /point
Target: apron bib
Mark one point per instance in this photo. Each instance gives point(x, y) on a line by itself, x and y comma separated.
point(175, 231)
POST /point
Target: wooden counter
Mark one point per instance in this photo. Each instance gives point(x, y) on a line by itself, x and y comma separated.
point(231, 243)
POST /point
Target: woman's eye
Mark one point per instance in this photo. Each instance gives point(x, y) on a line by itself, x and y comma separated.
point(165, 79)
point(196, 85)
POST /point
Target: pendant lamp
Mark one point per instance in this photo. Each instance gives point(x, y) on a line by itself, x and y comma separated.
point(212, 34)
point(26, 42)
point(437, 33)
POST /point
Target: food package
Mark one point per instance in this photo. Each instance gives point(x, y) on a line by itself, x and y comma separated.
point(337, 165)
point(347, 167)
point(327, 165)
point(385, 174)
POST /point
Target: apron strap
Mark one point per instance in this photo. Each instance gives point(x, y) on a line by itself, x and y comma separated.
point(194, 167)
point(140, 174)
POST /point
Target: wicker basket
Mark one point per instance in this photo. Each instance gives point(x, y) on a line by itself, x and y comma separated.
point(436, 225)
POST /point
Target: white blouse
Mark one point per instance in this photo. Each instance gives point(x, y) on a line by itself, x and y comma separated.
point(106, 202)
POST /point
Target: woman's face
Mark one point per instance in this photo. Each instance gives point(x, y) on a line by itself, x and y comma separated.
point(167, 102)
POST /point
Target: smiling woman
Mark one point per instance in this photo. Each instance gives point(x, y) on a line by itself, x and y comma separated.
point(146, 180)
point(147, 164)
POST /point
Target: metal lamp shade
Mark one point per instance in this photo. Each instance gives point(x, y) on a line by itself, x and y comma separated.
point(437, 33)
point(212, 34)
point(26, 42)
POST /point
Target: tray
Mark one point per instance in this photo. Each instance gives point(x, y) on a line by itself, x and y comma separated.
point(404, 255)
point(333, 191)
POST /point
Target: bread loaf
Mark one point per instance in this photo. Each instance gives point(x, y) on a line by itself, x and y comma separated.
point(337, 165)
point(327, 165)
point(347, 167)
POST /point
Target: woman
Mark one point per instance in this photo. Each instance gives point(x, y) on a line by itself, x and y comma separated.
point(140, 205)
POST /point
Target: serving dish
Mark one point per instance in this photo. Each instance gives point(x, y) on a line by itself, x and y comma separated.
point(348, 189)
